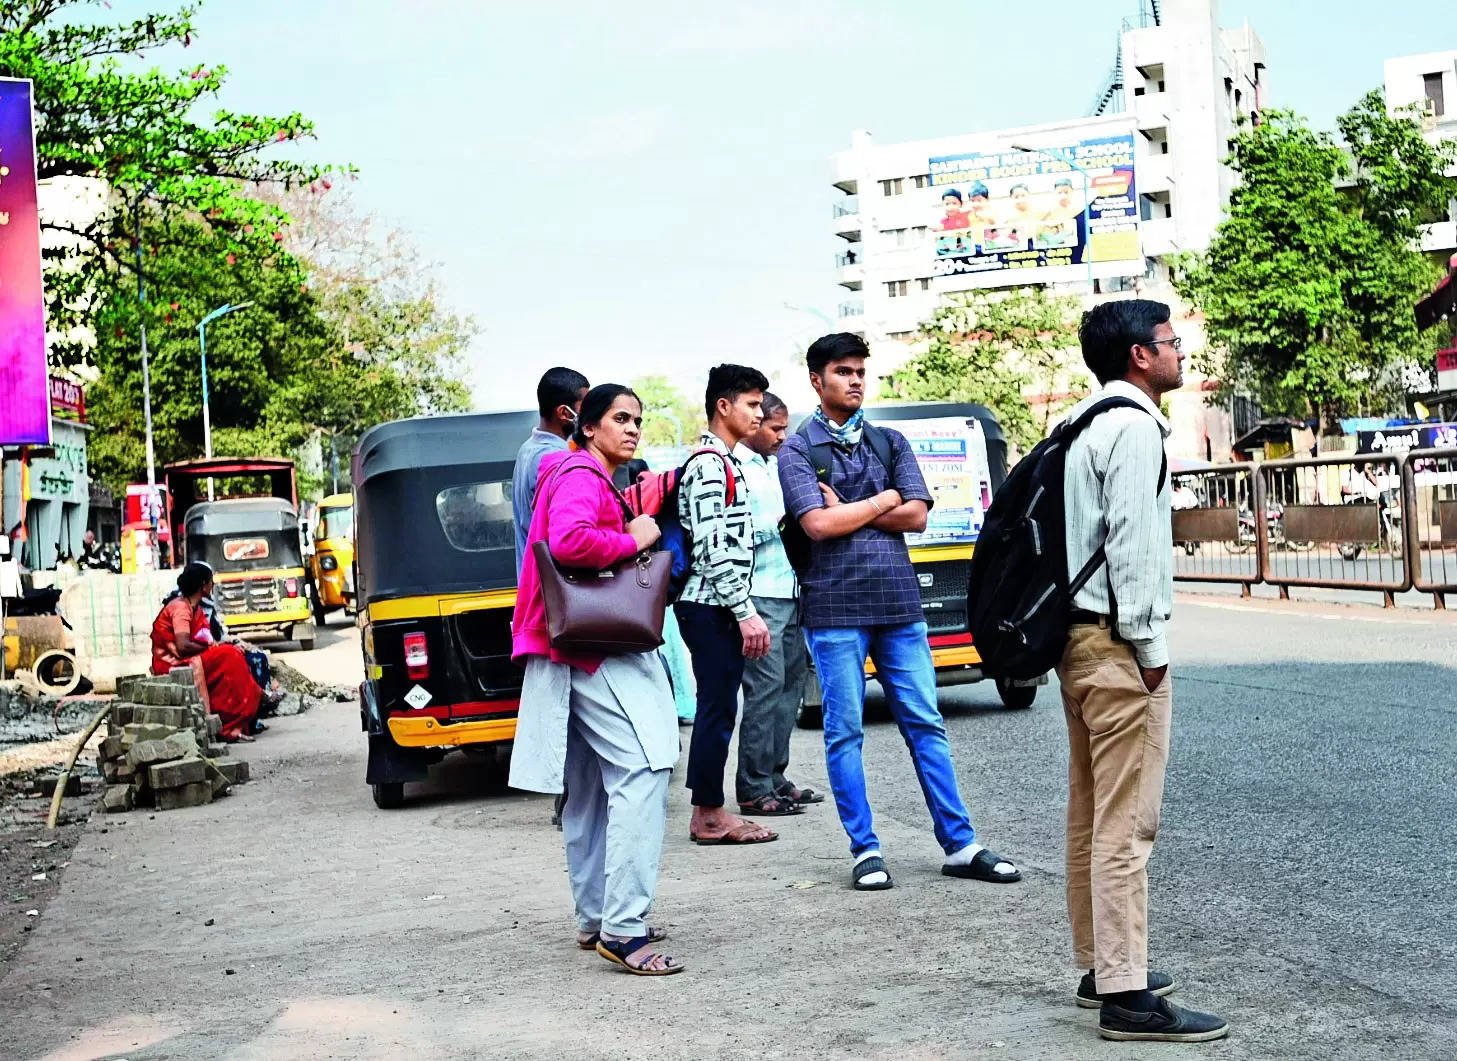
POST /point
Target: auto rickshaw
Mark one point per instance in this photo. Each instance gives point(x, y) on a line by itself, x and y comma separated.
point(436, 583)
point(962, 452)
point(252, 545)
point(332, 562)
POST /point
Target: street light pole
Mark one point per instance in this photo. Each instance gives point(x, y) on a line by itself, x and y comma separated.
point(136, 208)
point(221, 311)
point(1071, 163)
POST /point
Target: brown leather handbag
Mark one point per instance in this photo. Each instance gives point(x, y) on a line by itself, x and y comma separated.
point(616, 610)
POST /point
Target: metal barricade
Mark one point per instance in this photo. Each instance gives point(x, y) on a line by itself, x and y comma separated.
point(1336, 522)
point(1214, 539)
point(1429, 482)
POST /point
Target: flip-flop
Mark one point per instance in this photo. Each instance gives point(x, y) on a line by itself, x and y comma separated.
point(655, 935)
point(984, 867)
point(864, 869)
point(618, 950)
point(736, 835)
point(771, 807)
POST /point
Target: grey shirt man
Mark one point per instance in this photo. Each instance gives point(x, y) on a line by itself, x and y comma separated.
point(523, 482)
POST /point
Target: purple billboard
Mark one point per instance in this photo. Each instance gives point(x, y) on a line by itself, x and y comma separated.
point(25, 402)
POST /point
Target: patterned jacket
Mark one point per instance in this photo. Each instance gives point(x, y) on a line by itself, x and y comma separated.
point(723, 536)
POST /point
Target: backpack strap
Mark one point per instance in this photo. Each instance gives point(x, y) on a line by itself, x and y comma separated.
point(730, 476)
point(820, 452)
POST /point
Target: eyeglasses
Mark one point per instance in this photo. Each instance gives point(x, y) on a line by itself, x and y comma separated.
point(1177, 342)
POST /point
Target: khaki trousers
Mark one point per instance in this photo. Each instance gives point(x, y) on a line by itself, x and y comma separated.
point(1118, 745)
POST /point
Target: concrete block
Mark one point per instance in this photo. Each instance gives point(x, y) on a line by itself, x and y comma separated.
point(121, 714)
point(177, 746)
point(216, 750)
point(193, 795)
point(117, 772)
point(177, 773)
point(47, 785)
point(235, 770)
point(214, 725)
point(183, 676)
point(218, 779)
point(112, 747)
point(117, 798)
point(133, 732)
point(176, 717)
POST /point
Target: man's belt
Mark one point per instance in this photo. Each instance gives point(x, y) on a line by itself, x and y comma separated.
point(1083, 617)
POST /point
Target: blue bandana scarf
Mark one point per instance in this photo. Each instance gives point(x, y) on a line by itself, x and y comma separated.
point(847, 435)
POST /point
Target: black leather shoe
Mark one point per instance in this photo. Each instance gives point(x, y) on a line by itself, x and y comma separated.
point(1166, 1024)
point(1088, 998)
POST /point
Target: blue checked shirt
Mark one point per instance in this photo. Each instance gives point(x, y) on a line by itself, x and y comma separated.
point(865, 578)
point(773, 577)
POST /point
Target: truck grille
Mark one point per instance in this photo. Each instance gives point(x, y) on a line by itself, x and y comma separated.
point(247, 596)
point(943, 594)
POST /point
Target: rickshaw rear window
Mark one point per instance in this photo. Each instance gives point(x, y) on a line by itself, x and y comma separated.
point(336, 522)
point(235, 549)
point(477, 517)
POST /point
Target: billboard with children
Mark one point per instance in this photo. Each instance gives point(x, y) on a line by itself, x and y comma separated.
point(1007, 211)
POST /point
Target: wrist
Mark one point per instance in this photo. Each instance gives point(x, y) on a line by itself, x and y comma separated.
point(879, 511)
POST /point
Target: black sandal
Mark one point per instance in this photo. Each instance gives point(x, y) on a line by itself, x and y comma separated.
point(615, 950)
point(803, 796)
point(984, 867)
point(865, 869)
point(655, 935)
point(771, 806)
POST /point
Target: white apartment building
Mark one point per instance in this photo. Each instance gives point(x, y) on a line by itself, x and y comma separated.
point(1430, 82)
point(1185, 85)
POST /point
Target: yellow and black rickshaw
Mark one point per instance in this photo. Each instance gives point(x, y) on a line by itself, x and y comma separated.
point(251, 537)
point(436, 570)
point(332, 562)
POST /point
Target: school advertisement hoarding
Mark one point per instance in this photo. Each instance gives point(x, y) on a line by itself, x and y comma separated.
point(25, 396)
point(1007, 212)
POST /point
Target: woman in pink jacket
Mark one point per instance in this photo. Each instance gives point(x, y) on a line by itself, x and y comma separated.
point(606, 726)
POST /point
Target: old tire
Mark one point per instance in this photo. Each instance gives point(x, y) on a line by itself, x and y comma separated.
point(389, 796)
point(1016, 697)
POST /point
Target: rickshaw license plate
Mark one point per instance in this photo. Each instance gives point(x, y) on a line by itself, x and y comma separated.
point(417, 697)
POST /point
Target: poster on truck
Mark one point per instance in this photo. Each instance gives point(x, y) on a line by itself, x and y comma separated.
point(952, 454)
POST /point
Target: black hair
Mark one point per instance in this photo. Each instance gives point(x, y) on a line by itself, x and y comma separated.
point(1109, 332)
point(559, 386)
point(951, 193)
point(729, 381)
point(980, 189)
point(596, 405)
point(1063, 182)
point(834, 347)
point(1014, 187)
point(193, 577)
point(773, 404)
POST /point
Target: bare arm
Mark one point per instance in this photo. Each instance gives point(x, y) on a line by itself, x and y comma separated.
point(836, 520)
point(909, 517)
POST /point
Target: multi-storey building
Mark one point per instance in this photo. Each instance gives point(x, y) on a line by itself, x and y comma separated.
point(1430, 82)
point(1092, 206)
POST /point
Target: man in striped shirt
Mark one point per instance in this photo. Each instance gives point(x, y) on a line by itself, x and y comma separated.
point(718, 620)
point(1115, 683)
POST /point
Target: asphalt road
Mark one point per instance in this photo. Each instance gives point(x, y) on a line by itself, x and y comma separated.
point(1302, 886)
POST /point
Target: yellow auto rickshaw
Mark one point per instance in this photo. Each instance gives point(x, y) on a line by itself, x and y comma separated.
point(332, 562)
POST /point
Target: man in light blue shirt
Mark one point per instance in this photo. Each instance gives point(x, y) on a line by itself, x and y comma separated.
point(559, 395)
point(773, 684)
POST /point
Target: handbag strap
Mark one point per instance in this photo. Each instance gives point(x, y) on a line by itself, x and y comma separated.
point(593, 467)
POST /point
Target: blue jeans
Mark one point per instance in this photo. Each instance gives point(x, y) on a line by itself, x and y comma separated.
point(903, 664)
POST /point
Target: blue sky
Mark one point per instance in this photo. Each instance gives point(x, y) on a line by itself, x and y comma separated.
point(640, 186)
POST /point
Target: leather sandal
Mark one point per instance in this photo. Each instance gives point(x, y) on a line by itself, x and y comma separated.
point(771, 806)
point(618, 950)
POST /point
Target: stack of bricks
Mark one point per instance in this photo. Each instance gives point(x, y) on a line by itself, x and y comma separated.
point(162, 747)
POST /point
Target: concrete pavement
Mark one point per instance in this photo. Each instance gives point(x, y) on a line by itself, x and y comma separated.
point(1301, 886)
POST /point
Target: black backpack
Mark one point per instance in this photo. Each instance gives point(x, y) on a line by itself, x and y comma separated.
point(1020, 598)
point(797, 544)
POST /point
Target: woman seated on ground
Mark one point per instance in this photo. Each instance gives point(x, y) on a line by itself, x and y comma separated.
point(181, 633)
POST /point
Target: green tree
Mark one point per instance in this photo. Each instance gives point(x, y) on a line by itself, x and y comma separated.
point(101, 116)
point(1308, 285)
point(994, 347)
point(670, 418)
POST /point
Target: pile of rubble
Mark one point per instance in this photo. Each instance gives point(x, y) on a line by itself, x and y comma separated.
point(162, 749)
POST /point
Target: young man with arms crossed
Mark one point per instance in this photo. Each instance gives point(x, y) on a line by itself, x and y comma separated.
point(719, 623)
point(774, 683)
point(860, 597)
point(559, 395)
point(1116, 691)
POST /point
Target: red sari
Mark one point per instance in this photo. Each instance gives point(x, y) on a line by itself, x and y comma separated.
point(233, 693)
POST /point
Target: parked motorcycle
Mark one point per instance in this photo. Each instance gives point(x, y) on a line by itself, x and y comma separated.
point(1274, 531)
point(1390, 526)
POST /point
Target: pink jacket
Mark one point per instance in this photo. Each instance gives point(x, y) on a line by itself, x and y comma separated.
point(577, 512)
